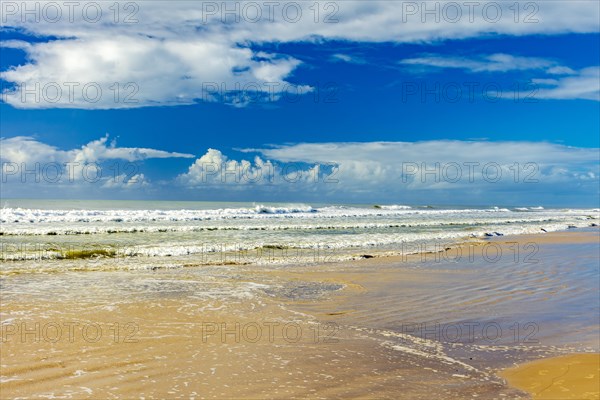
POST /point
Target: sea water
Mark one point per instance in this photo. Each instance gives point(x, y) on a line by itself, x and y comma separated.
point(52, 235)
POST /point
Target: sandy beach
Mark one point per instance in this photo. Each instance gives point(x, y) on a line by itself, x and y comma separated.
point(417, 327)
point(574, 376)
point(300, 200)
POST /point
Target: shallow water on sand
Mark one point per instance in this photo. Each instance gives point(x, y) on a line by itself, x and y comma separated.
point(425, 326)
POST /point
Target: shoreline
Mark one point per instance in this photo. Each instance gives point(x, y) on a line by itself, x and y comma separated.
point(361, 325)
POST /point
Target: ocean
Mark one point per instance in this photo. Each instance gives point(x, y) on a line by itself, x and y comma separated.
point(55, 235)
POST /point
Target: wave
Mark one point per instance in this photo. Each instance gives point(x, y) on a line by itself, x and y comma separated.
point(498, 209)
point(393, 207)
point(529, 208)
point(270, 245)
point(33, 216)
point(326, 224)
point(261, 209)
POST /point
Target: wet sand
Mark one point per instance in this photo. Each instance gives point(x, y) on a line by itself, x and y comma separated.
point(575, 376)
point(399, 327)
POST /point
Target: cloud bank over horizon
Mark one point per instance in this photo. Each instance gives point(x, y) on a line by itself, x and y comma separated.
point(449, 171)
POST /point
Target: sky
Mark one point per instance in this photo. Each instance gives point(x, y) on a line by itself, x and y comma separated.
point(399, 102)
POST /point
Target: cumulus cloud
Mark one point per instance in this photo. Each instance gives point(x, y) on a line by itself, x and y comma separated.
point(214, 169)
point(29, 150)
point(29, 162)
point(398, 168)
point(124, 181)
point(137, 71)
point(171, 53)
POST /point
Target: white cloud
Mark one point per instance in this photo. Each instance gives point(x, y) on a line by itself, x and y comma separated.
point(489, 63)
point(342, 57)
point(419, 172)
point(398, 167)
point(99, 150)
point(26, 149)
point(174, 52)
point(351, 59)
point(566, 84)
point(584, 85)
point(124, 181)
point(217, 170)
point(136, 71)
point(429, 151)
point(437, 171)
point(25, 159)
point(561, 70)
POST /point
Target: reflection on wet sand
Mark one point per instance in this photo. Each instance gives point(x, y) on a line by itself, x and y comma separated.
point(379, 327)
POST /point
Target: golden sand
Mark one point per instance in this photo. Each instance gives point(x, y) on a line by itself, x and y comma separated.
point(174, 349)
point(161, 344)
point(575, 376)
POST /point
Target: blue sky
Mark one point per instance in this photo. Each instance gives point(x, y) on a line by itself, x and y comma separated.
point(378, 74)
